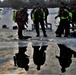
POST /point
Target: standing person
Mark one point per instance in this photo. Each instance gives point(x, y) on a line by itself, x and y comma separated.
point(65, 16)
point(32, 15)
point(45, 9)
point(21, 18)
point(74, 15)
point(26, 15)
point(38, 15)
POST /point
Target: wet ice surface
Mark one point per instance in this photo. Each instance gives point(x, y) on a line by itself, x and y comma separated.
point(9, 46)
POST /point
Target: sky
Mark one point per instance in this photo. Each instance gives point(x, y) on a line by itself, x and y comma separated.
point(1, 0)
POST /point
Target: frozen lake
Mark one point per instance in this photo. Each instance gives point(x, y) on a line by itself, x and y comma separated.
point(10, 45)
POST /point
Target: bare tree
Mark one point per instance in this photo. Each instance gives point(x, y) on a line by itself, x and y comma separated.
point(30, 3)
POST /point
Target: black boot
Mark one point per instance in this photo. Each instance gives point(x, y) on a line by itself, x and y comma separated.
point(45, 35)
point(37, 35)
point(20, 37)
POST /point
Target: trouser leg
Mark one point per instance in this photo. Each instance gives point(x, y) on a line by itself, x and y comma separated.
point(46, 19)
point(67, 28)
point(20, 32)
point(60, 29)
point(37, 27)
point(42, 26)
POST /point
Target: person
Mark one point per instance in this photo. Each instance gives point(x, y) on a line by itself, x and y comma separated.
point(65, 17)
point(21, 19)
point(45, 9)
point(38, 15)
point(25, 11)
point(32, 15)
point(73, 9)
point(14, 15)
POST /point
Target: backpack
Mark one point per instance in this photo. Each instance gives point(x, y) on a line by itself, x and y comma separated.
point(38, 13)
point(21, 16)
point(65, 13)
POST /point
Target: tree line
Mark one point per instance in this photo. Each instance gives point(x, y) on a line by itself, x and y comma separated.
point(30, 3)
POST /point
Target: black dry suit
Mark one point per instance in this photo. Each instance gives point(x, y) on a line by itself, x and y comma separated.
point(38, 16)
point(65, 17)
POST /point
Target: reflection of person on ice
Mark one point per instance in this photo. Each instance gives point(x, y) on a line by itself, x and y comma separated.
point(21, 59)
point(39, 56)
point(38, 16)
